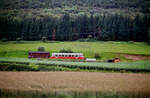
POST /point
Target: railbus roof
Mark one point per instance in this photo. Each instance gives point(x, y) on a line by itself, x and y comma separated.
point(67, 53)
point(38, 52)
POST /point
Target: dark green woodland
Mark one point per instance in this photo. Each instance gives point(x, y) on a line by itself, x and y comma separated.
point(69, 20)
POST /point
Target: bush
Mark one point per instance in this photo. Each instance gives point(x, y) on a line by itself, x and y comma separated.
point(62, 50)
point(130, 42)
point(89, 36)
point(65, 51)
point(91, 40)
point(97, 56)
point(81, 40)
point(88, 40)
point(18, 39)
point(4, 39)
point(44, 39)
point(15, 67)
point(41, 48)
point(69, 51)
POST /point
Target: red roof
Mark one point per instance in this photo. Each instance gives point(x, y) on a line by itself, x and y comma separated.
point(38, 52)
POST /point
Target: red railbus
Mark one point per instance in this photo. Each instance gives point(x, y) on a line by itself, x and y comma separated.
point(77, 56)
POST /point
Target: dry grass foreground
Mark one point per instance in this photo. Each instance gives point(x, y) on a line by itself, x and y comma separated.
point(75, 81)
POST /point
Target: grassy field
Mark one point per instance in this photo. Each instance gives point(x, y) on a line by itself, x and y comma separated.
point(91, 80)
point(49, 65)
point(18, 52)
point(106, 50)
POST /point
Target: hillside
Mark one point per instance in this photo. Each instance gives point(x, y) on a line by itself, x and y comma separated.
point(63, 20)
point(75, 7)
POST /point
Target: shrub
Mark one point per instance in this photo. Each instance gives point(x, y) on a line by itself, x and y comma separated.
point(4, 39)
point(15, 67)
point(81, 40)
point(65, 51)
point(41, 48)
point(97, 56)
point(88, 40)
point(18, 39)
point(130, 42)
point(62, 50)
point(33, 66)
point(91, 40)
point(4, 53)
point(89, 36)
point(69, 51)
point(44, 39)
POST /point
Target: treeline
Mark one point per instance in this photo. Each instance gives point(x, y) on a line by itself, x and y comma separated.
point(67, 28)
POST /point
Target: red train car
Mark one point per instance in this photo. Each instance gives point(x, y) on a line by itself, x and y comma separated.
point(77, 56)
point(38, 54)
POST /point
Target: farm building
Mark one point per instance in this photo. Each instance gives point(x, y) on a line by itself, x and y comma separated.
point(90, 59)
point(38, 54)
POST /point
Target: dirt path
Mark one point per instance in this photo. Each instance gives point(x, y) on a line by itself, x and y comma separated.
point(136, 57)
point(75, 81)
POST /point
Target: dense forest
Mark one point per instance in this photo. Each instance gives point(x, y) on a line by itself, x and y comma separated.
point(67, 20)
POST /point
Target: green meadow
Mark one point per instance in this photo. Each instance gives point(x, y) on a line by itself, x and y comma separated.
point(14, 57)
point(24, 64)
point(106, 50)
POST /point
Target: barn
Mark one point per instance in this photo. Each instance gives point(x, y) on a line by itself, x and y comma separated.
point(38, 54)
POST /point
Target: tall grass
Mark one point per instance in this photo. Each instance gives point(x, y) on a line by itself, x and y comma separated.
point(37, 94)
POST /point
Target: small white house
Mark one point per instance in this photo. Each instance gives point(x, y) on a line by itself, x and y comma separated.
point(90, 59)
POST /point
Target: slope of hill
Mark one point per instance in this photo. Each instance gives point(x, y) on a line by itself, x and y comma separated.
point(75, 7)
point(75, 19)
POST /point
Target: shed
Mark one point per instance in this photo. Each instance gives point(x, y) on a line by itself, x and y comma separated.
point(90, 59)
point(38, 54)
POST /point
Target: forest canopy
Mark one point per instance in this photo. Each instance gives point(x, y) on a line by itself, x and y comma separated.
point(69, 20)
